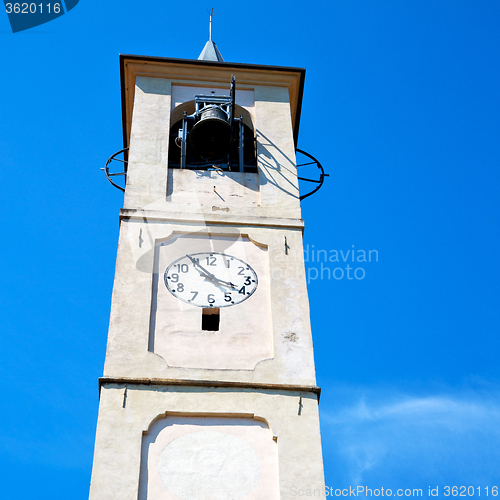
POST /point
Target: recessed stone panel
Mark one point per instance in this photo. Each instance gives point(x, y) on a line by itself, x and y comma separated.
point(206, 458)
point(244, 333)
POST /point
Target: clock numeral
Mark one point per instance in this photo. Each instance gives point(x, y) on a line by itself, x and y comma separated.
point(207, 270)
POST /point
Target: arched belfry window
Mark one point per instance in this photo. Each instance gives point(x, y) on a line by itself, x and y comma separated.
point(212, 131)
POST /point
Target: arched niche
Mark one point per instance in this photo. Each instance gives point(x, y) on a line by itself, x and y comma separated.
point(202, 457)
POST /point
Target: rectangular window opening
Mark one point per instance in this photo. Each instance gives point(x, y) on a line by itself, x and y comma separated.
point(210, 319)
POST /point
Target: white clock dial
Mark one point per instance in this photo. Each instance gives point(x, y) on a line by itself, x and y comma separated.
point(210, 279)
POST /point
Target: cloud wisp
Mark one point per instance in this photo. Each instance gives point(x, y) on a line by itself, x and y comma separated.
point(379, 438)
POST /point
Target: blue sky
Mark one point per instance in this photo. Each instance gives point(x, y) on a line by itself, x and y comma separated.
point(401, 105)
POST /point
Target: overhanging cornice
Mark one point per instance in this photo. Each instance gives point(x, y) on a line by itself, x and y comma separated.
point(132, 66)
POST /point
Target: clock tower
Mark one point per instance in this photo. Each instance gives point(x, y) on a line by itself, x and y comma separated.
point(209, 389)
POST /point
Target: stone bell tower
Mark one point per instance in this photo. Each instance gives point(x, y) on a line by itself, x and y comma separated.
point(209, 390)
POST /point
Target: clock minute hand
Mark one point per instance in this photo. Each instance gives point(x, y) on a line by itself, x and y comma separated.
point(209, 275)
point(202, 269)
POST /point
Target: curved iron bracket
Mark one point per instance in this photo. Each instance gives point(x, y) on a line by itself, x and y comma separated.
point(125, 165)
point(322, 174)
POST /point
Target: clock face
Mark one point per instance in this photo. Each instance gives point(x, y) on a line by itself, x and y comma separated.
point(210, 279)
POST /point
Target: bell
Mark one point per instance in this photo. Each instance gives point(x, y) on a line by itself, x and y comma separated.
point(211, 134)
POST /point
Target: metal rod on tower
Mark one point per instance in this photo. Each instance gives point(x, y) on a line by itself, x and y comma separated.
point(211, 13)
point(241, 158)
point(184, 137)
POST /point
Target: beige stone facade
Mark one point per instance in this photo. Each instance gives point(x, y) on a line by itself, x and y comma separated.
point(185, 412)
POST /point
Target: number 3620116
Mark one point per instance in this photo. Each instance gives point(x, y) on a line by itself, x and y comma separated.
point(32, 8)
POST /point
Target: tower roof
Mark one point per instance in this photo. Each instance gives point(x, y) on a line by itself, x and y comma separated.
point(210, 53)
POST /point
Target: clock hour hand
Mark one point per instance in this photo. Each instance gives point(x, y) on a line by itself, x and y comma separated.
point(201, 269)
point(209, 275)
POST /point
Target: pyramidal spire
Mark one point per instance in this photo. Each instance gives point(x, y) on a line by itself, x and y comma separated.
point(210, 52)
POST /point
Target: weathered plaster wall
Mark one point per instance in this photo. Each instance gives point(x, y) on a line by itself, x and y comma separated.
point(123, 420)
point(277, 194)
point(214, 191)
point(261, 375)
point(291, 353)
point(194, 458)
point(148, 154)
